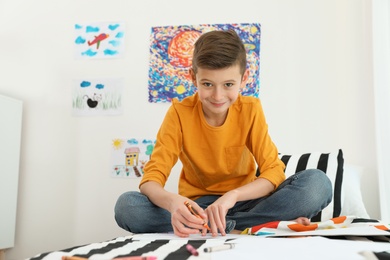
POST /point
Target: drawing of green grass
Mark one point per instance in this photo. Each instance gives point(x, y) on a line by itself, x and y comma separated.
point(78, 101)
point(112, 100)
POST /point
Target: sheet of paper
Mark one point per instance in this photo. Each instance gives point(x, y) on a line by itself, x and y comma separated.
point(171, 236)
point(350, 231)
point(255, 247)
point(250, 247)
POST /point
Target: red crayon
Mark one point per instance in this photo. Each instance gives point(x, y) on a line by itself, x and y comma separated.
point(192, 250)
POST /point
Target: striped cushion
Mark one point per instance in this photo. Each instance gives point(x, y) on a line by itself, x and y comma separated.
point(330, 163)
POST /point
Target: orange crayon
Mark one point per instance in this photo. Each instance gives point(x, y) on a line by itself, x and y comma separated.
point(196, 214)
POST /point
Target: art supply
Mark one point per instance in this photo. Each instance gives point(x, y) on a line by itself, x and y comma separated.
point(73, 258)
point(218, 248)
point(192, 250)
point(136, 258)
point(263, 233)
point(196, 214)
point(119, 258)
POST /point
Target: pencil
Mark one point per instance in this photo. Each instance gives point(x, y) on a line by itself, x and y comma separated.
point(196, 214)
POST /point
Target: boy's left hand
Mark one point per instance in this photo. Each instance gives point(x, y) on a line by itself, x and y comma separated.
point(217, 211)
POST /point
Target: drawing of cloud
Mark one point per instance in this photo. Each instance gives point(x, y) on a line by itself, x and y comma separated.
point(114, 43)
point(89, 53)
point(110, 52)
point(77, 26)
point(79, 40)
point(99, 86)
point(92, 29)
point(119, 35)
point(132, 141)
point(145, 141)
point(85, 84)
point(112, 27)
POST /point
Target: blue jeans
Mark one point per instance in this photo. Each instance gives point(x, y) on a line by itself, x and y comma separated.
point(303, 194)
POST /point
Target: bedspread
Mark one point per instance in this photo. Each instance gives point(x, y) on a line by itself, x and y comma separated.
point(173, 249)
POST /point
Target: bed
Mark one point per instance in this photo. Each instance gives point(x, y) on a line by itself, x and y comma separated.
point(343, 228)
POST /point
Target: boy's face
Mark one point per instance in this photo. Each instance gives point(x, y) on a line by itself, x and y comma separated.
point(218, 89)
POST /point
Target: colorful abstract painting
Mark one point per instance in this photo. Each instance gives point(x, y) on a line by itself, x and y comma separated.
point(99, 40)
point(129, 156)
point(97, 97)
point(171, 49)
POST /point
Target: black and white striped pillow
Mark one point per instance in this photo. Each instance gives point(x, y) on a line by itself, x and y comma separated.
point(330, 163)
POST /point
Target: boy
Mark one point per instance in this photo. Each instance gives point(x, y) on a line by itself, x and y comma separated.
point(220, 137)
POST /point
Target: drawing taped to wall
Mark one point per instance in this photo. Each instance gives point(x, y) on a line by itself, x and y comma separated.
point(99, 40)
point(129, 156)
point(97, 97)
point(171, 49)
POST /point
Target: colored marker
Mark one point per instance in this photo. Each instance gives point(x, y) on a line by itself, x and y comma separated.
point(192, 250)
point(262, 233)
point(196, 214)
point(218, 248)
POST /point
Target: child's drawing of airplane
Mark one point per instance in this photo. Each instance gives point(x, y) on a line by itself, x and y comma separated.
point(98, 39)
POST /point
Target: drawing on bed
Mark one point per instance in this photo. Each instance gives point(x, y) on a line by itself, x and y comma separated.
point(129, 156)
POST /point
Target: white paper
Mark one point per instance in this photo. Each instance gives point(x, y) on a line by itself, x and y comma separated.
point(350, 231)
point(171, 236)
point(250, 247)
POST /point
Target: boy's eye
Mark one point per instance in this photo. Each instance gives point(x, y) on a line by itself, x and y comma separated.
point(207, 84)
point(229, 85)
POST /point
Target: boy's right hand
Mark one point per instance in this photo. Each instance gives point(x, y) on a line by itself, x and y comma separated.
point(183, 221)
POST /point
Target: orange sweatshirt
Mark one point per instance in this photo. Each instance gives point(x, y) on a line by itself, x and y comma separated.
point(215, 159)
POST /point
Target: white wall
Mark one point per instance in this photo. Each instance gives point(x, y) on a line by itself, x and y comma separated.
point(381, 47)
point(316, 87)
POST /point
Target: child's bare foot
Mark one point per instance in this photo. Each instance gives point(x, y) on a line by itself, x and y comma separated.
point(235, 231)
point(302, 220)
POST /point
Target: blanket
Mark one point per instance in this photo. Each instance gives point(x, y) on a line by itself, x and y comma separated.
point(172, 249)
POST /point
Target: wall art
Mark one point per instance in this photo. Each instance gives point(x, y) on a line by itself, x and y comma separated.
point(97, 97)
point(99, 40)
point(171, 49)
point(129, 156)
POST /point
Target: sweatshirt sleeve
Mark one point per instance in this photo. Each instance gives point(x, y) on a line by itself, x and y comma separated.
point(166, 150)
point(264, 150)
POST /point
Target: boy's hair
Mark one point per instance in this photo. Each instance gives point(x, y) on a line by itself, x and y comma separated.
point(219, 49)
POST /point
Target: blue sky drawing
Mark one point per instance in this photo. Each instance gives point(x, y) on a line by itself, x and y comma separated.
point(99, 40)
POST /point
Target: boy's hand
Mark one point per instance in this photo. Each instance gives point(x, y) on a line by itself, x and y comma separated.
point(183, 221)
point(217, 211)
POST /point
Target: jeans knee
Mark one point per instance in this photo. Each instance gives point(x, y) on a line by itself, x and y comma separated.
point(122, 208)
point(320, 185)
point(122, 201)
